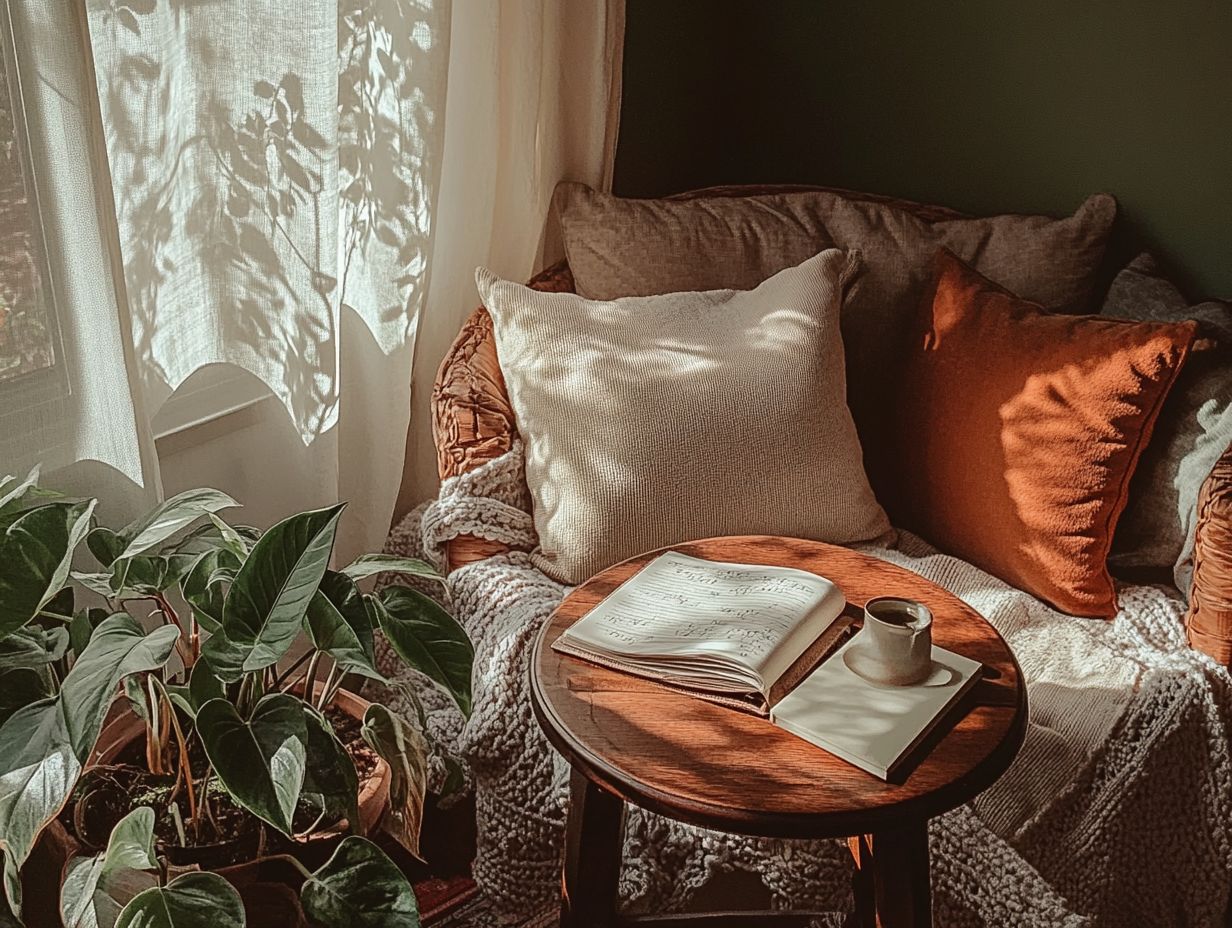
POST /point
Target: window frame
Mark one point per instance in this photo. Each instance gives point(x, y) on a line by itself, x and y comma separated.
point(49, 384)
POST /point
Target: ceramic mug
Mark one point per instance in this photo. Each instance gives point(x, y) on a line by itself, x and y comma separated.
point(896, 642)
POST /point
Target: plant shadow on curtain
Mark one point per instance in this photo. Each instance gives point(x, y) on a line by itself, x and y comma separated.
point(274, 167)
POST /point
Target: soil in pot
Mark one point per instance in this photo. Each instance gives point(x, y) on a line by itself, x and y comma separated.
point(228, 835)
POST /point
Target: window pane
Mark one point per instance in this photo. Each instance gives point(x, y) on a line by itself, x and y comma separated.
point(27, 336)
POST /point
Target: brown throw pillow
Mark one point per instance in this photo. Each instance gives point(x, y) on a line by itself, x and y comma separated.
point(1019, 430)
point(655, 420)
point(621, 247)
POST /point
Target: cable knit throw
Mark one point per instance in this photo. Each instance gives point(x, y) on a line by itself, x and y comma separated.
point(1117, 812)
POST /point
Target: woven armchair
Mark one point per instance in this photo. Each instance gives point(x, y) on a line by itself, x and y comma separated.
point(473, 422)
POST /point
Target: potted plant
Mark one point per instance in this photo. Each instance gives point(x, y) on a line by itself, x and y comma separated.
point(166, 734)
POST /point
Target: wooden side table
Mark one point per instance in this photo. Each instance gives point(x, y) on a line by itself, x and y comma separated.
point(629, 740)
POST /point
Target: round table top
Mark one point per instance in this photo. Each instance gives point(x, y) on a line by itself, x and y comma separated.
point(720, 768)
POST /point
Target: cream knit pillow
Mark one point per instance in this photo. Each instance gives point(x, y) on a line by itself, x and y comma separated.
point(654, 420)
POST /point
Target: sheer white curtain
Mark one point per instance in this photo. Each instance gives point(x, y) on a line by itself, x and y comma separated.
point(299, 190)
point(534, 98)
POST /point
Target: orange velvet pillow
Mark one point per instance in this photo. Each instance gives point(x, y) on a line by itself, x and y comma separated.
point(1020, 429)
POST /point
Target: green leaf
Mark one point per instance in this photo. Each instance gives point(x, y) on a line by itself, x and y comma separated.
point(19, 496)
point(368, 564)
point(32, 646)
point(60, 606)
point(203, 588)
point(95, 582)
point(38, 769)
point(261, 761)
point(191, 900)
point(429, 639)
point(338, 623)
point(35, 552)
point(359, 887)
point(330, 778)
point(105, 545)
point(169, 517)
point(12, 490)
point(135, 693)
point(142, 575)
point(232, 539)
point(226, 659)
point(20, 688)
point(81, 629)
point(119, 647)
point(96, 888)
point(271, 592)
point(203, 684)
point(12, 891)
point(403, 748)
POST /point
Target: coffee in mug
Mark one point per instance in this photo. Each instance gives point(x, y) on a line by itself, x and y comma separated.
point(896, 643)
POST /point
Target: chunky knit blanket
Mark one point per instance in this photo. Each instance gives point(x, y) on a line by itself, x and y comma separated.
point(1117, 811)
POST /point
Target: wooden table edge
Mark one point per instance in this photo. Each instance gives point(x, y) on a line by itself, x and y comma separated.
point(770, 824)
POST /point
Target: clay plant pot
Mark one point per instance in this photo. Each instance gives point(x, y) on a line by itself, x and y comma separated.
point(125, 728)
point(56, 847)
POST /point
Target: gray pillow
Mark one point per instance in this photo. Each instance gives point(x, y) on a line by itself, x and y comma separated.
point(620, 247)
point(1194, 427)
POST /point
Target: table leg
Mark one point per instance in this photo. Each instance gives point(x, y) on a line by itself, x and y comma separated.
point(593, 838)
point(891, 883)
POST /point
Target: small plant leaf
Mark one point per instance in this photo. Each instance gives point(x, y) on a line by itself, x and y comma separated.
point(20, 688)
point(32, 646)
point(81, 629)
point(270, 594)
point(60, 606)
point(429, 639)
point(367, 565)
point(97, 888)
point(203, 589)
point(105, 545)
point(404, 749)
point(38, 769)
point(261, 761)
point(330, 778)
point(12, 490)
point(119, 647)
point(140, 575)
point(95, 582)
point(360, 887)
point(191, 900)
point(338, 623)
point(203, 684)
point(36, 551)
point(231, 539)
point(170, 517)
point(20, 496)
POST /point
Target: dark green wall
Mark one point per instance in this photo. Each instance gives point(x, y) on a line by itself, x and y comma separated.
point(983, 105)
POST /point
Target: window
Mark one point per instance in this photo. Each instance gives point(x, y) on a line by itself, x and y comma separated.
point(30, 347)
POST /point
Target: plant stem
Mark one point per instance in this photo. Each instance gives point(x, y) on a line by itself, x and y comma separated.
point(311, 675)
point(153, 736)
point(185, 766)
point(299, 662)
point(205, 799)
point(326, 688)
point(241, 698)
point(179, 824)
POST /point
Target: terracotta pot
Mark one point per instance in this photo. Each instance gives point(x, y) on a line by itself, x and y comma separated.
point(125, 728)
point(44, 873)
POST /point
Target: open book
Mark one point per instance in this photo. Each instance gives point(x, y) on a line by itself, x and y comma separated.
point(757, 638)
point(739, 634)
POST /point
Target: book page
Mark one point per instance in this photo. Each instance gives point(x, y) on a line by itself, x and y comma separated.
point(678, 607)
